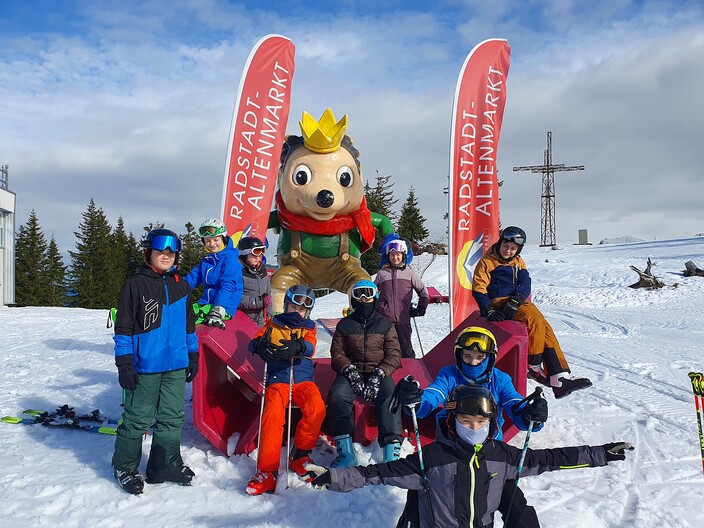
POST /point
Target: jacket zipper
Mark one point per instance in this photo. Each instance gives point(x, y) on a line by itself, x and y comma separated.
point(472, 485)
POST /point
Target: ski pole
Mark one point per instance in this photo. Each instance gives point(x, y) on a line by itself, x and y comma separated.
point(418, 335)
point(696, 379)
point(288, 431)
point(537, 394)
point(419, 448)
point(261, 407)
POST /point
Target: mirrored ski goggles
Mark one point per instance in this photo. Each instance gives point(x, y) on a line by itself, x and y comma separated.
point(209, 231)
point(161, 243)
point(303, 300)
point(363, 292)
point(396, 245)
point(473, 405)
point(514, 236)
point(257, 251)
point(479, 342)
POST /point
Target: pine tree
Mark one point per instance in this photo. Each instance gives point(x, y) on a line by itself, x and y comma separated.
point(55, 276)
point(191, 255)
point(411, 224)
point(30, 250)
point(92, 261)
point(120, 245)
point(380, 199)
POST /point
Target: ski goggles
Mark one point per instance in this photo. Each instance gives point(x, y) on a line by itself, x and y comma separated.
point(479, 342)
point(514, 236)
point(474, 405)
point(364, 292)
point(256, 251)
point(209, 231)
point(396, 245)
point(164, 242)
point(302, 300)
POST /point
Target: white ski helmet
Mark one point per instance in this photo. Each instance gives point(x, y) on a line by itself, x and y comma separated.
point(212, 228)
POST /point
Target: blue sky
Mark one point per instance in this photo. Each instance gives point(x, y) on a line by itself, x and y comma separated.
point(129, 103)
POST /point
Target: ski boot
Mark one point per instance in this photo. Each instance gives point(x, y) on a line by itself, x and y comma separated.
point(262, 482)
point(563, 386)
point(345, 452)
point(297, 462)
point(181, 475)
point(130, 480)
point(392, 451)
point(536, 373)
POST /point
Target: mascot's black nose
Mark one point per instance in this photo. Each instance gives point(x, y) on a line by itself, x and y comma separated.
point(325, 198)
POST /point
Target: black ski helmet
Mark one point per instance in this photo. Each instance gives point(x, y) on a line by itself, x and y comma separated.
point(513, 234)
point(474, 400)
point(161, 239)
point(247, 244)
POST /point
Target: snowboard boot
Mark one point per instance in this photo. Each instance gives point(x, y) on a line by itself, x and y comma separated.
point(297, 462)
point(181, 475)
point(392, 451)
point(262, 482)
point(130, 480)
point(563, 386)
point(345, 452)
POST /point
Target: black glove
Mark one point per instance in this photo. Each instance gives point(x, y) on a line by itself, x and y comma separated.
point(214, 318)
point(263, 347)
point(536, 410)
point(510, 307)
point(407, 393)
point(192, 368)
point(417, 311)
point(494, 315)
point(355, 379)
point(616, 450)
point(373, 383)
point(289, 348)
point(126, 374)
point(322, 478)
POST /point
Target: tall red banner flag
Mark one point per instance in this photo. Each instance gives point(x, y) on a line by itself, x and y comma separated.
point(256, 137)
point(477, 114)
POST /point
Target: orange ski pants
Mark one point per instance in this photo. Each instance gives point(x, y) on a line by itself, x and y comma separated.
point(306, 396)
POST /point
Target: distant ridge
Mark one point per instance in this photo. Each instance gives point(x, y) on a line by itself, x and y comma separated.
point(621, 240)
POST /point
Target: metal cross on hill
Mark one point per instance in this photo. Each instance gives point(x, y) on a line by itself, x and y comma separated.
point(547, 210)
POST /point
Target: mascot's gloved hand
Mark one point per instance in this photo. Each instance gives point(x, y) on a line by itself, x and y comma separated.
point(214, 318)
point(322, 478)
point(616, 450)
point(373, 383)
point(510, 307)
point(192, 368)
point(126, 374)
point(354, 378)
point(536, 410)
point(407, 393)
point(417, 311)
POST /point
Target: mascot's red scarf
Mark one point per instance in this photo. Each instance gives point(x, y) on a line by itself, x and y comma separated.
point(361, 219)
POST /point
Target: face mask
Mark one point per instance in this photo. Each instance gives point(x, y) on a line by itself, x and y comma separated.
point(473, 372)
point(472, 436)
point(363, 309)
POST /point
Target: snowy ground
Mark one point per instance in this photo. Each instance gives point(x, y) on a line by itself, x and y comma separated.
point(637, 347)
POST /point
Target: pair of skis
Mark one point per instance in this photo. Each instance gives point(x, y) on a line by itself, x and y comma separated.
point(698, 389)
point(66, 418)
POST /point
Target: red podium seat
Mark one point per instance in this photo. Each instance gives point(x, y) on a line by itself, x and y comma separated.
point(435, 297)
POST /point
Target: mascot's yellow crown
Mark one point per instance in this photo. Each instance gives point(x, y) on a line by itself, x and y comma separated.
point(323, 136)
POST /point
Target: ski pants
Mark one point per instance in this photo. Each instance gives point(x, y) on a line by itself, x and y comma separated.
point(403, 330)
point(157, 395)
point(306, 396)
point(340, 418)
point(541, 338)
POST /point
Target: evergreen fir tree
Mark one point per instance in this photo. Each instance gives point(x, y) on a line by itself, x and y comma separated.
point(55, 276)
point(120, 244)
point(30, 250)
point(380, 199)
point(136, 255)
point(191, 255)
point(92, 261)
point(411, 224)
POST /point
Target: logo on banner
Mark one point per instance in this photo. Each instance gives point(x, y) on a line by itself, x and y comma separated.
point(467, 260)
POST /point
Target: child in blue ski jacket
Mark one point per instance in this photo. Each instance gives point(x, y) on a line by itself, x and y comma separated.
point(220, 273)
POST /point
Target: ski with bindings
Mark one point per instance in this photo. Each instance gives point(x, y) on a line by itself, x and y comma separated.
point(64, 411)
point(698, 390)
point(63, 423)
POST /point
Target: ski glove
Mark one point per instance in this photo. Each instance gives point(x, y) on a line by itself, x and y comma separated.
point(371, 391)
point(407, 393)
point(263, 347)
point(536, 410)
point(290, 348)
point(214, 318)
point(510, 307)
point(417, 311)
point(322, 478)
point(616, 450)
point(126, 374)
point(266, 300)
point(354, 378)
point(192, 368)
point(494, 315)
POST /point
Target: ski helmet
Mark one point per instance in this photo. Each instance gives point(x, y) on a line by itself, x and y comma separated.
point(513, 234)
point(253, 245)
point(301, 296)
point(161, 239)
point(212, 228)
point(397, 245)
point(479, 339)
point(364, 289)
point(473, 400)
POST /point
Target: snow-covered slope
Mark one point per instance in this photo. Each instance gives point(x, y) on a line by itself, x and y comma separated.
point(637, 347)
